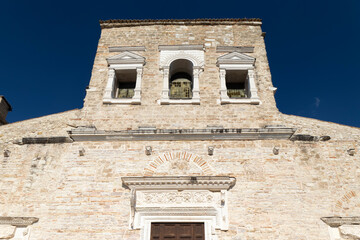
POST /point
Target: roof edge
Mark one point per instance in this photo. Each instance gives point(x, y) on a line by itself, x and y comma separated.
point(113, 23)
point(3, 97)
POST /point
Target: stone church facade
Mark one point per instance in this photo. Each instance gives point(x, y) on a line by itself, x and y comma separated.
point(179, 138)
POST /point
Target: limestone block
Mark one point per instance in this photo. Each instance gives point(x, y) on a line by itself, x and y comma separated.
point(7, 231)
point(350, 231)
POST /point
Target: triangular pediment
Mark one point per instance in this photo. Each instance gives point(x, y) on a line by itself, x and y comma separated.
point(235, 58)
point(126, 58)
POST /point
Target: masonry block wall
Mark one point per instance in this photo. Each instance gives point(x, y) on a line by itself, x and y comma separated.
point(74, 188)
point(180, 116)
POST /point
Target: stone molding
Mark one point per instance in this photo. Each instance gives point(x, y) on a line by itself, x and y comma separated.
point(343, 227)
point(221, 21)
point(239, 49)
point(181, 198)
point(238, 61)
point(18, 221)
point(181, 47)
point(123, 61)
point(126, 48)
point(213, 183)
point(91, 134)
point(339, 221)
point(196, 57)
point(235, 58)
point(126, 58)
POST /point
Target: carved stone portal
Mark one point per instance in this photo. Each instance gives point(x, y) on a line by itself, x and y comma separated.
point(17, 228)
point(200, 199)
point(341, 228)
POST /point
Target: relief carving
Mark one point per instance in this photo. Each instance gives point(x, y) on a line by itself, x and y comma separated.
point(175, 198)
point(178, 164)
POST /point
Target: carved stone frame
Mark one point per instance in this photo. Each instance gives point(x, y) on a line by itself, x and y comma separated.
point(192, 53)
point(124, 61)
point(343, 227)
point(238, 61)
point(212, 210)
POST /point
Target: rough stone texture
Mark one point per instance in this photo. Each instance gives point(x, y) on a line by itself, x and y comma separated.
point(7, 231)
point(4, 109)
point(115, 117)
point(350, 231)
point(279, 196)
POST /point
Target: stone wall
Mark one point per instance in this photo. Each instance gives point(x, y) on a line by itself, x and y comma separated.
point(276, 196)
point(75, 188)
point(209, 112)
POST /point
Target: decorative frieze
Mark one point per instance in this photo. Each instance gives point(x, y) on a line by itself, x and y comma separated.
point(179, 198)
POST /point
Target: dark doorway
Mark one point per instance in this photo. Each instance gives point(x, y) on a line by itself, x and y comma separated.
point(177, 231)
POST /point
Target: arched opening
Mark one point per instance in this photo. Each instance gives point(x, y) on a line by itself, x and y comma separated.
point(181, 79)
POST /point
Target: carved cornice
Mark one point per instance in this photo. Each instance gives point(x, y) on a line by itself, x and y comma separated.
point(180, 47)
point(221, 21)
point(235, 58)
point(212, 183)
point(126, 48)
point(339, 221)
point(126, 58)
point(90, 134)
point(18, 221)
point(235, 49)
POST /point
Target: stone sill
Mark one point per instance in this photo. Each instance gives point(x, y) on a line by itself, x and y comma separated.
point(92, 134)
point(240, 101)
point(122, 101)
point(179, 101)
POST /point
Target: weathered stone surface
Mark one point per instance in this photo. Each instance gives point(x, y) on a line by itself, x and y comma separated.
point(7, 231)
point(350, 231)
point(277, 196)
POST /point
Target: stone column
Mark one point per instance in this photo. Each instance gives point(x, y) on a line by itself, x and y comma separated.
point(252, 85)
point(196, 90)
point(109, 89)
point(165, 90)
point(137, 90)
point(223, 89)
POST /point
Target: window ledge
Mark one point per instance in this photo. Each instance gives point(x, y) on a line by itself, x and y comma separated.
point(122, 101)
point(253, 101)
point(179, 101)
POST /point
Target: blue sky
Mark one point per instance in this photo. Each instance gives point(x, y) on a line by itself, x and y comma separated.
point(48, 48)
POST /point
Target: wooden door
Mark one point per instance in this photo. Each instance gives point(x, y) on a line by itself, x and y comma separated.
point(177, 231)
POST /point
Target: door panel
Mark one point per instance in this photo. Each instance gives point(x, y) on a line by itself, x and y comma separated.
point(177, 231)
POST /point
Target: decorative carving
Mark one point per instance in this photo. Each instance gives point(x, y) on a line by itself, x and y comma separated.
point(126, 58)
point(179, 163)
point(176, 198)
point(194, 56)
